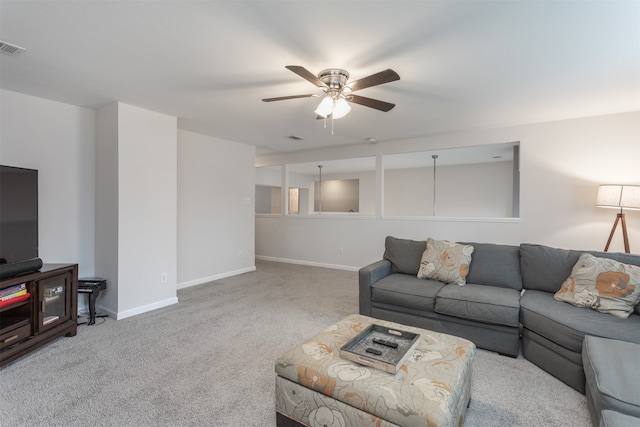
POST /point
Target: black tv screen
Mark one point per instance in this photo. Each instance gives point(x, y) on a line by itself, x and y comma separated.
point(18, 214)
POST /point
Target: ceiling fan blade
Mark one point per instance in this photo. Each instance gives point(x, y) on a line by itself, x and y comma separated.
point(370, 102)
point(306, 74)
point(282, 98)
point(382, 77)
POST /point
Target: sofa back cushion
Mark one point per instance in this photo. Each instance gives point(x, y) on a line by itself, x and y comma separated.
point(495, 265)
point(545, 268)
point(404, 254)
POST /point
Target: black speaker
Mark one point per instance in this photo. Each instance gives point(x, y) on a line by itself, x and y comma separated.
point(21, 267)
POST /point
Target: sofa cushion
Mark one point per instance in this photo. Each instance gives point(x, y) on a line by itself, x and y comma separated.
point(616, 419)
point(404, 254)
point(567, 325)
point(545, 269)
point(445, 261)
point(612, 371)
point(495, 265)
point(602, 284)
point(406, 291)
point(486, 304)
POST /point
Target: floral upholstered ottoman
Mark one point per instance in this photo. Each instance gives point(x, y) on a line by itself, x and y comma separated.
point(315, 387)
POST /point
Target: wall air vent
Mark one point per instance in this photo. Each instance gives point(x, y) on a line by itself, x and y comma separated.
point(10, 49)
point(295, 138)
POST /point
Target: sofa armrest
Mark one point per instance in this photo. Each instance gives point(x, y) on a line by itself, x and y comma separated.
point(367, 276)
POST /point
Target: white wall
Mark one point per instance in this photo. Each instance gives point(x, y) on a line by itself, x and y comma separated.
point(561, 165)
point(106, 216)
point(147, 209)
point(268, 176)
point(138, 191)
point(129, 233)
point(59, 141)
point(216, 185)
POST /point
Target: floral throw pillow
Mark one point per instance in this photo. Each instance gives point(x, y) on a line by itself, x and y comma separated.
point(445, 261)
point(602, 284)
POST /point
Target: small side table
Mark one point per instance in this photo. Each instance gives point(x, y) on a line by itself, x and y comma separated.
point(92, 286)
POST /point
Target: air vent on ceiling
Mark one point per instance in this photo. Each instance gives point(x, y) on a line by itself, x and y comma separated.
point(295, 138)
point(10, 49)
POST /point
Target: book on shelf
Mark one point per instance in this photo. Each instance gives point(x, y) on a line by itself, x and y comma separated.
point(11, 296)
point(13, 289)
point(14, 300)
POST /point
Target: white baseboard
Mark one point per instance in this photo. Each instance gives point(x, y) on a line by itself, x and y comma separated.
point(144, 308)
point(170, 301)
point(309, 263)
point(101, 310)
point(215, 277)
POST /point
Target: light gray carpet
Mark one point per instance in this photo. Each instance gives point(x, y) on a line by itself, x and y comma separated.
point(209, 361)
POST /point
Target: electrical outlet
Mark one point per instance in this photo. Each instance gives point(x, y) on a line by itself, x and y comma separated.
point(163, 277)
point(240, 253)
point(341, 251)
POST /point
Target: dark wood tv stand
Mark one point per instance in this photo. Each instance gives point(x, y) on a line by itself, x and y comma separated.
point(50, 312)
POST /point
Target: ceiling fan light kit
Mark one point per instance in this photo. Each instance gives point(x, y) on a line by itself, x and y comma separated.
point(337, 93)
point(336, 108)
point(325, 107)
point(340, 108)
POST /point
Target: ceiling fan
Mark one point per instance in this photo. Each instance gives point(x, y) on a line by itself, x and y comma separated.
point(337, 93)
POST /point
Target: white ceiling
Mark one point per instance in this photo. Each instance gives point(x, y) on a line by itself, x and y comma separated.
point(463, 64)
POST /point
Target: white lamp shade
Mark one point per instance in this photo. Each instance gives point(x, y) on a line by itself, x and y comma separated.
point(618, 196)
point(326, 107)
point(341, 108)
point(609, 196)
point(630, 198)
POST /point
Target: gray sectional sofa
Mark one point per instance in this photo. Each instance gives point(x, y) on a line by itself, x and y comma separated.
point(486, 310)
point(508, 298)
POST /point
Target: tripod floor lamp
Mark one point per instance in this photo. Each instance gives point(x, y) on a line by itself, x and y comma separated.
point(619, 197)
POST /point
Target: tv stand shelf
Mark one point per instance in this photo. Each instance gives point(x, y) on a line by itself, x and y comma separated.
point(11, 322)
point(50, 312)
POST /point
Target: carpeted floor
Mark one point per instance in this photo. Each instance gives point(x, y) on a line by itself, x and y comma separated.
point(209, 361)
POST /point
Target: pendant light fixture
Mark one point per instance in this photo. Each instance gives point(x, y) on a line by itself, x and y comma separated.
point(319, 188)
point(435, 157)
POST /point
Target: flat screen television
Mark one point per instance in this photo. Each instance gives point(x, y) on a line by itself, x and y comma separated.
point(18, 214)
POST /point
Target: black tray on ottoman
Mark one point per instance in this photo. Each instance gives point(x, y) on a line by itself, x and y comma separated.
point(380, 347)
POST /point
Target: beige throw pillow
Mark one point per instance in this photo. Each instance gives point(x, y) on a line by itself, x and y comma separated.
point(445, 261)
point(602, 284)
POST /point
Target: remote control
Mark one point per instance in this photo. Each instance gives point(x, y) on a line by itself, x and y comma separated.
point(385, 342)
point(374, 351)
